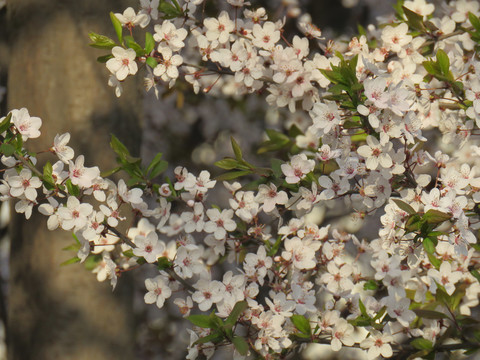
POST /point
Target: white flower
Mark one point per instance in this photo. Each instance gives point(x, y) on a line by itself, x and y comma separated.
point(158, 291)
point(219, 28)
point(376, 154)
point(342, 333)
point(65, 153)
point(325, 116)
point(168, 68)
point(208, 293)
point(220, 223)
point(123, 63)
point(129, 19)
point(24, 184)
point(298, 168)
point(74, 215)
point(149, 247)
point(113, 82)
point(169, 36)
point(265, 37)
point(378, 344)
point(80, 175)
point(28, 126)
point(269, 196)
point(395, 38)
point(446, 277)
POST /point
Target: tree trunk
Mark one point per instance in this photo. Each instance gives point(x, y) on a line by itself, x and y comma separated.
point(63, 312)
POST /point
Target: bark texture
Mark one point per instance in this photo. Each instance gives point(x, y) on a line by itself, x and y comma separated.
point(63, 312)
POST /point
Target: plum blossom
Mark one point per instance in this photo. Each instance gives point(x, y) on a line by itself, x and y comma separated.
point(158, 291)
point(123, 63)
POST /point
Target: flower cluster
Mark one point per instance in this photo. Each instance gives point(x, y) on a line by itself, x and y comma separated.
point(408, 289)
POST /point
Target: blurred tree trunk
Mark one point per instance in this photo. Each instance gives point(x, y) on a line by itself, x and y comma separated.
point(64, 313)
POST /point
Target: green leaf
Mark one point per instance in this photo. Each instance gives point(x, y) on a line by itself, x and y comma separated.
point(241, 345)
point(215, 338)
point(404, 206)
point(227, 164)
point(237, 310)
point(474, 21)
point(130, 43)
point(149, 43)
point(164, 263)
point(128, 253)
point(48, 180)
point(443, 62)
point(476, 274)
point(73, 260)
point(110, 172)
point(302, 324)
point(101, 41)
point(370, 285)
point(429, 245)
point(431, 67)
point(363, 309)
point(236, 149)
point(169, 10)
point(274, 249)
point(421, 344)
point(203, 321)
point(120, 149)
point(156, 167)
point(414, 20)
point(152, 62)
point(435, 217)
point(103, 59)
point(7, 149)
point(72, 189)
point(117, 25)
point(92, 261)
point(277, 167)
point(434, 261)
point(422, 354)
point(232, 175)
point(429, 314)
point(6, 123)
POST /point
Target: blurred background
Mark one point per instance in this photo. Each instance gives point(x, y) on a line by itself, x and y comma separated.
point(53, 312)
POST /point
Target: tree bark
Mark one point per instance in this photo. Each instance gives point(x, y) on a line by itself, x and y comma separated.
point(63, 312)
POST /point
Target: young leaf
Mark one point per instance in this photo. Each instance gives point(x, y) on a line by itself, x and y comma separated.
point(404, 206)
point(435, 217)
point(101, 41)
point(414, 20)
point(241, 345)
point(72, 189)
point(130, 43)
point(232, 175)
point(6, 123)
point(73, 260)
point(236, 149)
point(237, 310)
point(474, 21)
point(301, 323)
point(7, 149)
point(149, 43)
point(429, 245)
point(227, 164)
point(429, 314)
point(117, 25)
point(421, 344)
point(152, 62)
point(443, 62)
point(203, 321)
point(370, 285)
point(103, 59)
